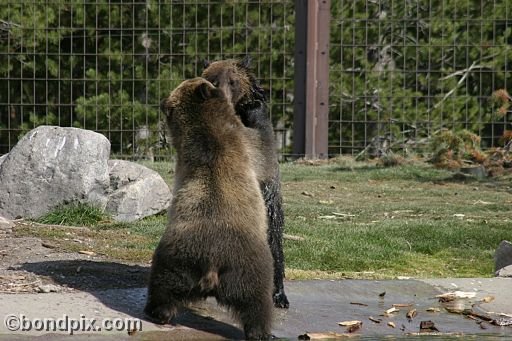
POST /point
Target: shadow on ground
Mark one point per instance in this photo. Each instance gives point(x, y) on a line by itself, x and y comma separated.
point(108, 281)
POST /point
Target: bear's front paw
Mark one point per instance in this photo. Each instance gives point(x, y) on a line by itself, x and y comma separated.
point(280, 300)
point(259, 336)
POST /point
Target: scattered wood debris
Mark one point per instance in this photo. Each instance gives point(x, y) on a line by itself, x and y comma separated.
point(326, 202)
point(435, 334)
point(349, 323)
point(391, 324)
point(347, 215)
point(402, 305)
point(428, 327)
point(459, 294)
point(292, 237)
point(358, 303)
point(12, 277)
point(488, 299)
point(327, 217)
point(411, 314)
point(456, 306)
point(392, 310)
point(450, 296)
point(382, 294)
point(88, 253)
point(374, 319)
point(324, 336)
point(502, 321)
point(433, 310)
point(354, 327)
point(48, 245)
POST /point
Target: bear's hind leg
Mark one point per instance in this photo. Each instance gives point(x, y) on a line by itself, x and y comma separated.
point(168, 290)
point(273, 203)
point(250, 300)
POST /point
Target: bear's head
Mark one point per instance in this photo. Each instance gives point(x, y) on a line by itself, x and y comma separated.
point(236, 80)
point(191, 104)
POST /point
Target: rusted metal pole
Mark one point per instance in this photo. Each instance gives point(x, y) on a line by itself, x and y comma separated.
point(317, 79)
point(299, 101)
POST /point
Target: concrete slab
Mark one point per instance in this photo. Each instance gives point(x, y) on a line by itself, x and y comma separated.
point(499, 288)
point(316, 306)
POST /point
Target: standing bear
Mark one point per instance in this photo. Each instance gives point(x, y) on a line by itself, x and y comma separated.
point(239, 84)
point(216, 243)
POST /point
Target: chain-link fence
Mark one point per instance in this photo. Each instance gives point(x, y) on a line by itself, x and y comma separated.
point(399, 70)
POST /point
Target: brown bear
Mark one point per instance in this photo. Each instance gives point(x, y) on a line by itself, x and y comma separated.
point(239, 84)
point(216, 243)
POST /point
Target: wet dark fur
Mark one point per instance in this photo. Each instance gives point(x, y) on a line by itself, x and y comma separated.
point(236, 79)
point(215, 243)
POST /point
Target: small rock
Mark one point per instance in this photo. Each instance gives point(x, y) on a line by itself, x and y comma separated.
point(503, 255)
point(48, 245)
point(478, 172)
point(46, 288)
point(462, 177)
point(504, 272)
point(5, 226)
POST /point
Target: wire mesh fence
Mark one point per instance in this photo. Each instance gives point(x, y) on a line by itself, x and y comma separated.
point(105, 65)
point(400, 70)
point(403, 69)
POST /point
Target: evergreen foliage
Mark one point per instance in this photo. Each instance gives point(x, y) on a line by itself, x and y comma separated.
point(404, 69)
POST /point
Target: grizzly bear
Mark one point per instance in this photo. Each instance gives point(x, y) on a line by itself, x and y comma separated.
point(239, 84)
point(216, 243)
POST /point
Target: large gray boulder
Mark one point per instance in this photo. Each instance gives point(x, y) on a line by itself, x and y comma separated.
point(51, 166)
point(137, 191)
point(503, 255)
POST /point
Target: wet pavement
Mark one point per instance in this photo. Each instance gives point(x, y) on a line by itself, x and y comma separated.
point(316, 306)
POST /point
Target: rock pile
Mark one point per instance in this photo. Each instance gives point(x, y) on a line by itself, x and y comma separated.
point(53, 166)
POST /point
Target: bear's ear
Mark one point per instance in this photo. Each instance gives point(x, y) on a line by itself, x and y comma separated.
point(163, 105)
point(205, 91)
point(206, 63)
point(245, 62)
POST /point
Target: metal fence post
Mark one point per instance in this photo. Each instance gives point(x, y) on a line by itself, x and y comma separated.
point(317, 80)
point(299, 97)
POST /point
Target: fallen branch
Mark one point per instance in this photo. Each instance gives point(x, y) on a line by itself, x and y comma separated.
point(461, 80)
point(292, 237)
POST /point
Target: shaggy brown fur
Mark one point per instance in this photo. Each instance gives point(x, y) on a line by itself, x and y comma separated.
point(236, 79)
point(215, 243)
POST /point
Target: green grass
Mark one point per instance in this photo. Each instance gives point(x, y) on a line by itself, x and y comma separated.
point(74, 215)
point(412, 220)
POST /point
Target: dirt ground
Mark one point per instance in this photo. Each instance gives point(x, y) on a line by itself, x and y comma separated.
point(30, 264)
point(77, 282)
